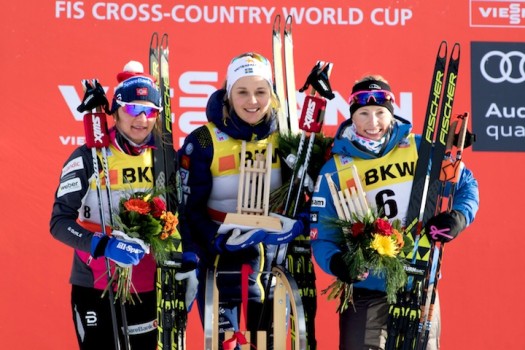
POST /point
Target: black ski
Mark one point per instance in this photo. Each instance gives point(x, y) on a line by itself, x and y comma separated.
point(405, 315)
point(448, 178)
point(171, 308)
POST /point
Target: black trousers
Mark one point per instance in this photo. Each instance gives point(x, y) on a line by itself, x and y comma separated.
point(93, 323)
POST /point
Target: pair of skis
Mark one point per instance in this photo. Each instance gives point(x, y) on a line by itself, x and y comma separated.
point(411, 312)
point(171, 307)
point(448, 178)
point(284, 75)
point(298, 259)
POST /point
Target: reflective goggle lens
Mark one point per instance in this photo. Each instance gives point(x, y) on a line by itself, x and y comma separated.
point(379, 96)
point(135, 110)
point(252, 55)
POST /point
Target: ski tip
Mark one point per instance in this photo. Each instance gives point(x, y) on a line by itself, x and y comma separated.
point(154, 42)
point(288, 25)
point(442, 51)
point(456, 51)
point(277, 23)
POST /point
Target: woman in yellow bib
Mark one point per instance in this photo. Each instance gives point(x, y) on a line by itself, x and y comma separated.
point(384, 152)
point(77, 220)
point(244, 110)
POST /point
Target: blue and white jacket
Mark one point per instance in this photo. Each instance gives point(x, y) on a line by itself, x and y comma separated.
point(387, 181)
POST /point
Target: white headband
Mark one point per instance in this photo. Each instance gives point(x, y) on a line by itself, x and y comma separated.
point(247, 65)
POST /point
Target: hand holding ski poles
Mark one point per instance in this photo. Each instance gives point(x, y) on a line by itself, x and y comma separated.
point(445, 226)
point(311, 120)
point(94, 97)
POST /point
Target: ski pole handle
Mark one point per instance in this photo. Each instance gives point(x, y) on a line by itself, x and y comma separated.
point(95, 128)
point(312, 114)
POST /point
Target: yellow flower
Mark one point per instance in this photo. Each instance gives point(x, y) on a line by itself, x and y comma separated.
point(384, 245)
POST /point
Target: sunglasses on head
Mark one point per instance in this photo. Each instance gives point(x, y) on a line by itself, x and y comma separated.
point(135, 110)
point(253, 55)
point(379, 96)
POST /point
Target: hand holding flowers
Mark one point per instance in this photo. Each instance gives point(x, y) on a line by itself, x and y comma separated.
point(372, 245)
point(142, 218)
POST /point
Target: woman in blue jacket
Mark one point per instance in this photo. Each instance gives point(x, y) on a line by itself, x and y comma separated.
point(374, 139)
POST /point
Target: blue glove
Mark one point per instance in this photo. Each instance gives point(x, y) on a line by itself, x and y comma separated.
point(220, 241)
point(240, 240)
point(122, 251)
point(190, 261)
point(291, 229)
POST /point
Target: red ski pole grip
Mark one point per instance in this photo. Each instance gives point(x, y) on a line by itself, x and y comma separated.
point(95, 127)
point(312, 114)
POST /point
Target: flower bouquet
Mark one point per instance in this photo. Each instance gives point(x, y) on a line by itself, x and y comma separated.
point(373, 246)
point(143, 216)
point(288, 149)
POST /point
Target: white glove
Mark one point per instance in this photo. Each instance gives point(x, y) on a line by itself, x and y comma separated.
point(291, 229)
point(240, 240)
point(192, 284)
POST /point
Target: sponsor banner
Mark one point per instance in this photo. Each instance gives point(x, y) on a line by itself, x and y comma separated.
point(499, 13)
point(498, 106)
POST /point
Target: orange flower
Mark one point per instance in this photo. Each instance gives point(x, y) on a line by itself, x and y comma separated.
point(137, 205)
point(170, 224)
point(399, 238)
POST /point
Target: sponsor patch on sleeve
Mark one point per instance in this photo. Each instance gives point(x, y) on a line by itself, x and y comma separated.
point(68, 186)
point(73, 165)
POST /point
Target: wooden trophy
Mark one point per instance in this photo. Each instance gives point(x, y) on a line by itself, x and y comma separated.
point(253, 197)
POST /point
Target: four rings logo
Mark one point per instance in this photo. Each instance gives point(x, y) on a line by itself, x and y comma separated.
point(511, 67)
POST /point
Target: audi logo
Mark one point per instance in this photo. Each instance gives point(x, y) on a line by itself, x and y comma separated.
point(506, 67)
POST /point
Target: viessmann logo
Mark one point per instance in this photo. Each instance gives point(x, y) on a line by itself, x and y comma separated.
point(502, 13)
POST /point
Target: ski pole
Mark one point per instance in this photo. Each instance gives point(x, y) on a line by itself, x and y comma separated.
point(105, 167)
point(97, 138)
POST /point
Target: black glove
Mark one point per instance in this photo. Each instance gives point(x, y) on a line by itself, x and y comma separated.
point(318, 78)
point(94, 96)
point(444, 227)
point(340, 270)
